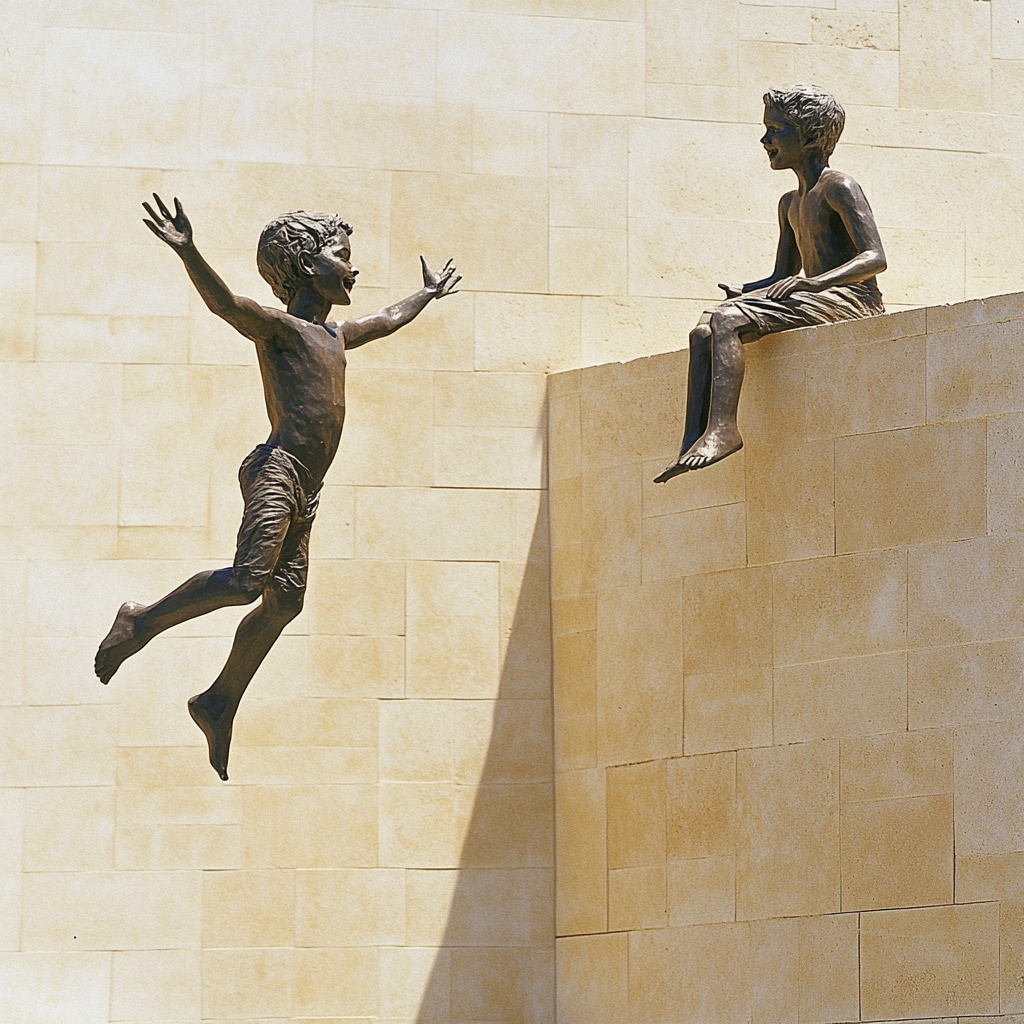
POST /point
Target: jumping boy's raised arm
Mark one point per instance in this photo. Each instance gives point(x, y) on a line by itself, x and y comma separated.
point(246, 316)
point(387, 320)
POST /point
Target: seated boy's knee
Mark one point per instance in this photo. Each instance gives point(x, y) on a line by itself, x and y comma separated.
point(700, 336)
point(727, 320)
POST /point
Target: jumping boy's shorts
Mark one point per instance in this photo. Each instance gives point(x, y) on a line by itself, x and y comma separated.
point(805, 309)
point(280, 505)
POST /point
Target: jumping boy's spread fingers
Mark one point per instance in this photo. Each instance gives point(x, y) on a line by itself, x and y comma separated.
point(163, 209)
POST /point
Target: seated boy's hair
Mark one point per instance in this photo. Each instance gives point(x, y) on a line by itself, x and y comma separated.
point(277, 256)
point(815, 113)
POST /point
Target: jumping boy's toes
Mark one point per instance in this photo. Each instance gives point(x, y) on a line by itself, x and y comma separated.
point(670, 471)
point(119, 644)
point(210, 713)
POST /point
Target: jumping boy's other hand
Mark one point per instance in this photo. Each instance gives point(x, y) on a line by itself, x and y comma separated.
point(443, 282)
point(731, 290)
point(174, 229)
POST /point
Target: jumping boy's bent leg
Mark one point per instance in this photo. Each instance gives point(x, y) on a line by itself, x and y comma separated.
point(135, 624)
point(214, 709)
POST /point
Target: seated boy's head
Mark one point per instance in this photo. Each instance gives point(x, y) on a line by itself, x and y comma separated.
point(814, 113)
point(300, 251)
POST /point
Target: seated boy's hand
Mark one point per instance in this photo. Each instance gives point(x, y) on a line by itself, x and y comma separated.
point(443, 282)
point(731, 290)
point(784, 288)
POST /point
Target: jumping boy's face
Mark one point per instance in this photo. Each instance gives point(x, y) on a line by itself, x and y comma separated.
point(331, 272)
point(781, 141)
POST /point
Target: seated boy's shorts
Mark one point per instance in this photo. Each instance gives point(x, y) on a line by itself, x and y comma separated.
point(273, 540)
point(805, 309)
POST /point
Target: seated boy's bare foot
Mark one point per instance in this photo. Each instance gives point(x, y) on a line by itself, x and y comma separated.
point(672, 470)
point(210, 713)
point(711, 448)
point(120, 643)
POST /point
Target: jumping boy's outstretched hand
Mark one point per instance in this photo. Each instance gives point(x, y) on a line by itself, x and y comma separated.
point(443, 282)
point(174, 230)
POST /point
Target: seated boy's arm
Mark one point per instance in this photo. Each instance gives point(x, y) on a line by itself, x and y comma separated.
point(246, 316)
point(787, 256)
point(389, 319)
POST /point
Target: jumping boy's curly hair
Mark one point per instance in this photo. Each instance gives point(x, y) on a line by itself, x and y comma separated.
point(815, 113)
point(277, 256)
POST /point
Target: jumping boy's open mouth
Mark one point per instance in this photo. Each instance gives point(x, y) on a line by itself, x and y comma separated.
point(772, 152)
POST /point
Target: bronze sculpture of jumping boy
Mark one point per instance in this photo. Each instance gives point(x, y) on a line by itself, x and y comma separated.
point(829, 253)
point(306, 258)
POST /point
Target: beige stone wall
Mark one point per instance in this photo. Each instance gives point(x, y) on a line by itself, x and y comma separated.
point(384, 849)
point(788, 712)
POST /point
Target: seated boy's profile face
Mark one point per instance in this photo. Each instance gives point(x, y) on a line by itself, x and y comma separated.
point(330, 270)
point(781, 140)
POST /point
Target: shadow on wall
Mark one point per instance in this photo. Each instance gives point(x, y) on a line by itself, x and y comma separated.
point(496, 961)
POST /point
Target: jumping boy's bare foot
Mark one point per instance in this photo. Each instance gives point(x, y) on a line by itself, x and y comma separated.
point(210, 713)
point(711, 448)
point(120, 643)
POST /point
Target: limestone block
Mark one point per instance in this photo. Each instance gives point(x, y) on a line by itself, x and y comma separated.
point(969, 372)
point(564, 441)
point(701, 806)
point(636, 815)
point(691, 42)
point(122, 98)
point(503, 741)
point(775, 971)
point(441, 523)
point(990, 310)
point(722, 484)
point(337, 980)
point(701, 891)
point(829, 968)
point(592, 980)
point(525, 625)
point(10, 910)
point(111, 910)
point(429, 895)
point(1008, 86)
point(775, 23)
point(699, 541)
point(928, 961)
point(868, 75)
point(418, 826)
point(68, 829)
point(866, 26)
point(859, 389)
point(909, 251)
point(840, 607)
point(926, 34)
point(271, 125)
point(416, 741)
point(511, 457)
point(690, 974)
point(516, 143)
point(173, 847)
point(581, 859)
point(12, 807)
point(372, 431)
point(359, 666)
point(897, 853)
point(249, 908)
point(578, 201)
point(692, 102)
point(993, 876)
point(52, 987)
point(268, 49)
point(496, 215)
point(356, 597)
point(611, 533)
point(727, 710)
point(637, 897)
point(593, 145)
point(310, 826)
point(21, 82)
point(156, 984)
point(605, 78)
point(532, 333)
point(897, 765)
point(575, 700)
point(737, 604)
point(788, 830)
point(587, 261)
point(963, 592)
point(406, 39)
point(846, 697)
point(348, 908)
point(988, 813)
point(18, 295)
point(937, 493)
point(790, 509)
point(639, 679)
point(1011, 957)
point(254, 982)
point(415, 983)
point(489, 399)
point(102, 339)
point(966, 684)
point(511, 825)
point(621, 327)
point(495, 984)
point(80, 740)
